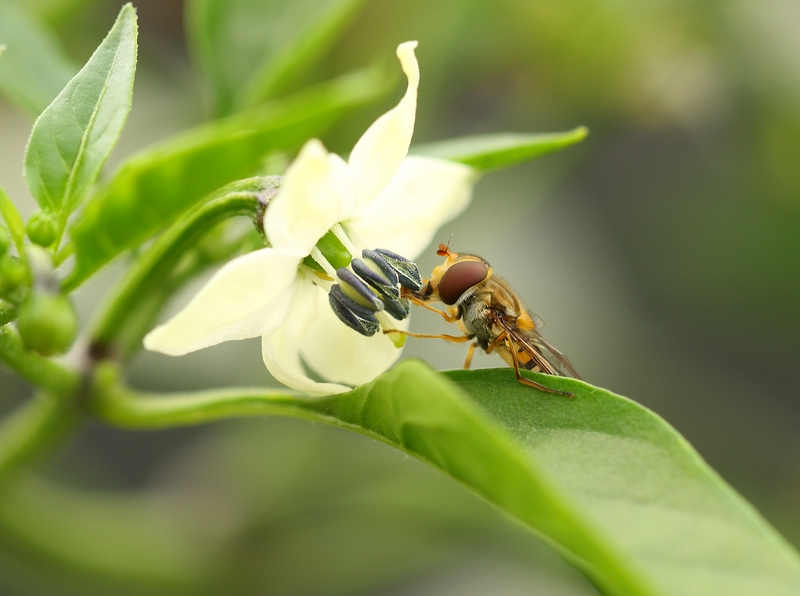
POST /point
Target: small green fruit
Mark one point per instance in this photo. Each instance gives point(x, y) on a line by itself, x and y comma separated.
point(42, 228)
point(47, 323)
point(13, 275)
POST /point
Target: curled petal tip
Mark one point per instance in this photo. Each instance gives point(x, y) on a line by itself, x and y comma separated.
point(313, 149)
point(408, 60)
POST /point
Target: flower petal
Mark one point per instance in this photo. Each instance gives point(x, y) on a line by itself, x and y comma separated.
point(425, 194)
point(338, 353)
point(281, 348)
point(316, 193)
point(379, 151)
point(247, 297)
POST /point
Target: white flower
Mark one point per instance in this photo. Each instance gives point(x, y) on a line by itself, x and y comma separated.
point(379, 198)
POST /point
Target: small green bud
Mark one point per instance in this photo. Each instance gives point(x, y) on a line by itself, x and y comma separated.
point(13, 275)
point(47, 323)
point(5, 240)
point(42, 228)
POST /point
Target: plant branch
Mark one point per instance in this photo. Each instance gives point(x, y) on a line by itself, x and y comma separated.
point(120, 406)
point(39, 371)
point(154, 268)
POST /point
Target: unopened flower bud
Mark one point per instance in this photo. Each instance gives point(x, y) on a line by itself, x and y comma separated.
point(13, 275)
point(47, 323)
point(41, 228)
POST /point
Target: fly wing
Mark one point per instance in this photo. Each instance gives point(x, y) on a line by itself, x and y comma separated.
point(559, 360)
point(522, 343)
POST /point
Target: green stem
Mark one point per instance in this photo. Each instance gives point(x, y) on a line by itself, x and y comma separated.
point(39, 371)
point(64, 253)
point(154, 267)
point(41, 421)
point(121, 406)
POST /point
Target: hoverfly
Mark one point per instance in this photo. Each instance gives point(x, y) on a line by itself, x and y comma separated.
point(491, 316)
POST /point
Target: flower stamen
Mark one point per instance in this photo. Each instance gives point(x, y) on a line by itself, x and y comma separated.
point(320, 259)
point(373, 285)
point(344, 238)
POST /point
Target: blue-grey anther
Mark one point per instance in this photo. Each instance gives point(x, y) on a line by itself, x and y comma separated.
point(352, 314)
point(387, 289)
point(358, 291)
point(377, 260)
point(355, 307)
point(398, 308)
point(406, 270)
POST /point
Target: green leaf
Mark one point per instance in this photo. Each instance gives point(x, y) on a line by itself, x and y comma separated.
point(13, 220)
point(152, 189)
point(616, 489)
point(74, 136)
point(491, 152)
point(253, 49)
point(34, 68)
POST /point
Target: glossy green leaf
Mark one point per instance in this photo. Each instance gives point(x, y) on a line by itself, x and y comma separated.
point(614, 488)
point(251, 49)
point(74, 136)
point(156, 186)
point(491, 152)
point(34, 68)
point(609, 483)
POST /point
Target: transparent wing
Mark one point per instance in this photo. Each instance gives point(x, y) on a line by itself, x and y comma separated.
point(553, 356)
point(545, 357)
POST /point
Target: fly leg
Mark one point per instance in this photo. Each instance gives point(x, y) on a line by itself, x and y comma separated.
point(470, 352)
point(445, 315)
point(524, 380)
point(456, 339)
point(490, 348)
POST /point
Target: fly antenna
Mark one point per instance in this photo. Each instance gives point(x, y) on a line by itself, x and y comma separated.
point(444, 249)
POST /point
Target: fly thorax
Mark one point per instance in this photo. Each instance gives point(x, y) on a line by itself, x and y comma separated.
point(474, 318)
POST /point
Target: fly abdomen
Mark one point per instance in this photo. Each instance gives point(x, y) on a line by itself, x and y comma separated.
point(526, 362)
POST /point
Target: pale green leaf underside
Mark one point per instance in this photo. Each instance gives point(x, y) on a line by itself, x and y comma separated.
point(490, 152)
point(74, 136)
point(34, 69)
point(609, 483)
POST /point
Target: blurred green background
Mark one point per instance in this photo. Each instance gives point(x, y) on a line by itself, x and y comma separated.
point(663, 254)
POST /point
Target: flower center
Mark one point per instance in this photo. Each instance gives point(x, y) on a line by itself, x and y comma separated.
point(369, 288)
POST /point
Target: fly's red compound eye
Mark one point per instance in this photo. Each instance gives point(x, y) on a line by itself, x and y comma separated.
point(459, 278)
